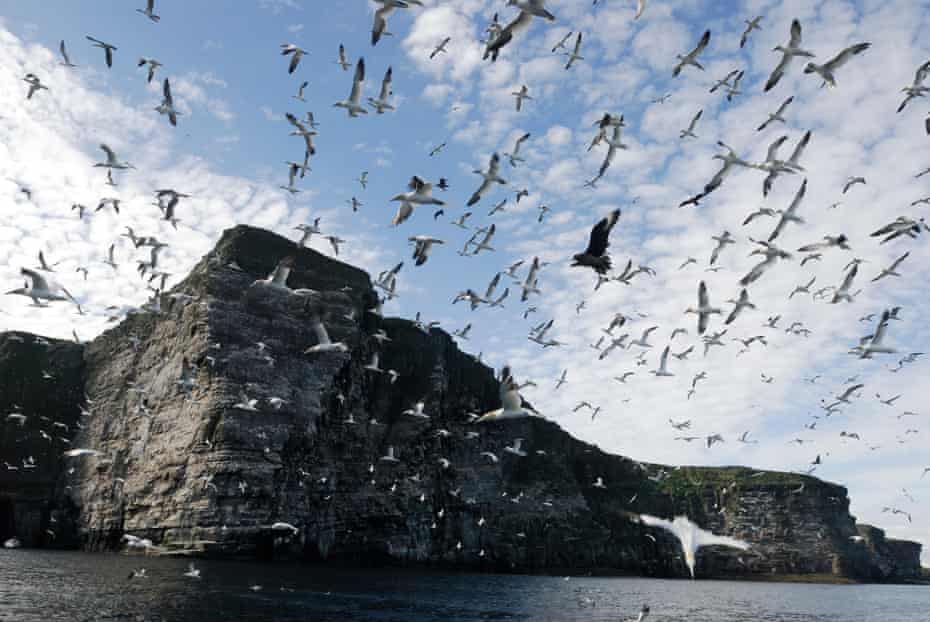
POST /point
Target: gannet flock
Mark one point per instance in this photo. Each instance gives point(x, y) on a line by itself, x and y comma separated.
point(773, 232)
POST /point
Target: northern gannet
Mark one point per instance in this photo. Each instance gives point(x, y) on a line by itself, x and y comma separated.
point(778, 115)
point(916, 89)
point(153, 65)
point(575, 54)
point(39, 288)
point(167, 104)
point(689, 132)
point(106, 47)
point(440, 48)
point(423, 245)
point(828, 70)
point(521, 95)
point(149, 11)
point(892, 269)
point(703, 310)
point(788, 52)
point(112, 161)
point(663, 371)
point(740, 304)
point(351, 104)
point(296, 54)
point(751, 24)
point(35, 84)
point(382, 103)
point(488, 178)
point(512, 404)
point(691, 537)
point(499, 37)
point(66, 60)
point(515, 156)
point(691, 57)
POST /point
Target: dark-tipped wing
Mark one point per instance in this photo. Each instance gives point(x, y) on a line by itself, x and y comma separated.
point(600, 234)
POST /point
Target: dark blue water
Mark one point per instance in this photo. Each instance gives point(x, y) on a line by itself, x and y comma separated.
point(50, 586)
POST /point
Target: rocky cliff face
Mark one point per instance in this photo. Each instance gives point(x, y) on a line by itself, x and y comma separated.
point(200, 466)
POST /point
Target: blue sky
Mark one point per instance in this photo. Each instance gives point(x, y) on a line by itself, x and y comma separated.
point(230, 146)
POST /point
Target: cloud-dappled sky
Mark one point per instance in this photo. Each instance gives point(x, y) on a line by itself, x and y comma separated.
point(229, 148)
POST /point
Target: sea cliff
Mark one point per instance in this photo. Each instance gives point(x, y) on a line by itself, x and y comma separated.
point(187, 467)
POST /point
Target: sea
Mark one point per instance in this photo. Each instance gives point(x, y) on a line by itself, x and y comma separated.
point(47, 586)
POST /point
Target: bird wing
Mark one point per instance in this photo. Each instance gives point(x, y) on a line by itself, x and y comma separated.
point(778, 72)
point(654, 521)
point(64, 53)
point(111, 157)
point(578, 44)
point(386, 85)
point(494, 165)
point(919, 78)
point(705, 39)
point(795, 39)
point(694, 121)
point(38, 281)
point(166, 89)
point(799, 148)
point(702, 295)
point(898, 261)
point(599, 240)
point(772, 152)
point(492, 285)
point(357, 81)
point(706, 538)
point(784, 105)
point(664, 360)
point(848, 280)
point(843, 57)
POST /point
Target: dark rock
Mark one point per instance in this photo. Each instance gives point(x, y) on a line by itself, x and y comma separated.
point(191, 470)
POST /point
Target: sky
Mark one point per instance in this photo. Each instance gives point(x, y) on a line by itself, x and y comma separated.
point(229, 149)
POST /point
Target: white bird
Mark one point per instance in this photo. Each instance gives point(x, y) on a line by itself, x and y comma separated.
point(379, 27)
point(689, 132)
point(341, 60)
point(722, 240)
point(192, 572)
point(106, 47)
point(828, 70)
point(788, 52)
point(521, 95)
point(489, 177)
point(516, 449)
point(663, 371)
point(373, 364)
point(440, 48)
point(167, 104)
point(740, 304)
point(382, 102)
point(790, 214)
point(778, 115)
point(40, 288)
point(246, 403)
point(874, 344)
point(515, 156)
point(512, 405)
point(66, 60)
point(112, 161)
point(640, 7)
point(916, 89)
point(599, 483)
point(614, 142)
point(296, 54)
point(691, 537)
point(575, 54)
point(324, 343)
point(149, 11)
point(892, 269)
point(499, 37)
point(691, 57)
point(35, 84)
point(751, 24)
point(153, 65)
point(703, 310)
point(417, 411)
point(424, 244)
point(351, 104)
point(842, 292)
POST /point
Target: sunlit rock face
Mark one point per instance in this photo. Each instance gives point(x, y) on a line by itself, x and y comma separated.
point(199, 466)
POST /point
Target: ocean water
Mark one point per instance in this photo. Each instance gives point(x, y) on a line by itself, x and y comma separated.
point(44, 586)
